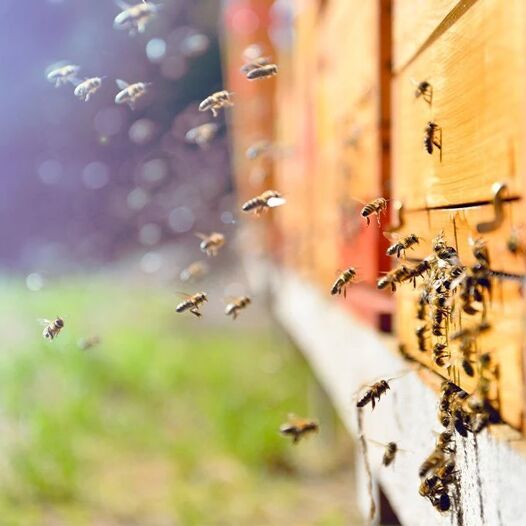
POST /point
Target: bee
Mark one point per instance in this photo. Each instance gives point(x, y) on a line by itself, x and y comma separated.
point(443, 251)
point(262, 72)
point(134, 18)
point(194, 271)
point(438, 316)
point(202, 135)
point(429, 137)
point(264, 201)
point(130, 93)
point(192, 303)
point(444, 441)
point(466, 350)
point(394, 277)
point(255, 63)
point(436, 458)
point(377, 206)
point(389, 454)
point(480, 252)
point(445, 471)
point(421, 268)
point(52, 328)
point(298, 427)
point(442, 502)
point(422, 303)
point(373, 393)
point(233, 308)
point(424, 90)
point(402, 245)
point(428, 486)
point(344, 279)
point(257, 149)
point(471, 332)
point(452, 277)
point(85, 344)
point(514, 243)
point(441, 354)
point(216, 101)
point(63, 74)
point(87, 88)
point(211, 244)
point(421, 337)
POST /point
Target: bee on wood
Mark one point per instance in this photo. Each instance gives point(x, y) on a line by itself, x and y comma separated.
point(399, 247)
point(441, 355)
point(216, 101)
point(262, 72)
point(85, 344)
point(343, 280)
point(378, 206)
point(452, 277)
point(87, 88)
point(425, 90)
point(297, 427)
point(233, 308)
point(62, 73)
point(130, 93)
point(443, 251)
point(52, 328)
point(421, 337)
point(202, 135)
point(134, 18)
point(444, 442)
point(192, 303)
point(439, 315)
point(436, 458)
point(430, 140)
point(445, 471)
point(373, 394)
point(257, 62)
point(211, 244)
point(264, 201)
point(442, 502)
point(194, 271)
point(422, 304)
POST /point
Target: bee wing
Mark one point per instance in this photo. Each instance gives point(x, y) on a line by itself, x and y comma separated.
point(276, 201)
point(122, 84)
point(123, 5)
point(376, 443)
point(183, 294)
point(201, 236)
point(43, 321)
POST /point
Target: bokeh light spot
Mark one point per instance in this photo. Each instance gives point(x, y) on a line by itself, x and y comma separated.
point(181, 219)
point(95, 175)
point(155, 49)
point(50, 171)
point(34, 281)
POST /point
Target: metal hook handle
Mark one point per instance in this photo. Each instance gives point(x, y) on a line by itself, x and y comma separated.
point(498, 193)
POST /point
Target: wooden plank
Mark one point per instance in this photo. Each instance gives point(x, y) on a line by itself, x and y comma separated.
point(473, 69)
point(506, 338)
point(413, 23)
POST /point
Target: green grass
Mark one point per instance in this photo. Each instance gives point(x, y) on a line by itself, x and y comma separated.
point(169, 420)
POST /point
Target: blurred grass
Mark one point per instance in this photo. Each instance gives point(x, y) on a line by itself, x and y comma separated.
point(169, 421)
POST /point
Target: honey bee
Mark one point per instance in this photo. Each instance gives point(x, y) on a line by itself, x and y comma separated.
point(202, 135)
point(514, 243)
point(130, 93)
point(424, 89)
point(211, 244)
point(442, 502)
point(421, 337)
point(194, 271)
point(344, 279)
point(373, 394)
point(62, 74)
point(257, 149)
point(452, 277)
point(436, 458)
point(438, 316)
point(443, 251)
point(421, 268)
point(52, 328)
point(264, 201)
point(87, 88)
point(134, 18)
point(216, 101)
point(262, 72)
point(402, 245)
point(233, 308)
point(394, 277)
point(85, 344)
point(441, 354)
point(377, 206)
point(297, 427)
point(480, 252)
point(444, 442)
point(429, 137)
point(255, 63)
point(192, 303)
point(389, 454)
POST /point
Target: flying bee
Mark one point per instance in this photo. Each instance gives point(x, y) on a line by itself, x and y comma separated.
point(441, 354)
point(403, 244)
point(192, 303)
point(394, 277)
point(480, 252)
point(430, 140)
point(202, 135)
point(377, 206)
point(344, 279)
point(262, 72)
point(52, 328)
point(256, 63)
point(134, 18)
point(87, 88)
point(389, 454)
point(194, 271)
point(216, 101)
point(233, 308)
point(258, 149)
point(264, 201)
point(62, 74)
point(421, 268)
point(421, 337)
point(373, 394)
point(211, 244)
point(85, 344)
point(423, 89)
point(297, 427)
point(130, 93)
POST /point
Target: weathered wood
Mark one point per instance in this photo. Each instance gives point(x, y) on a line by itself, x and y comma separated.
point(474, 69)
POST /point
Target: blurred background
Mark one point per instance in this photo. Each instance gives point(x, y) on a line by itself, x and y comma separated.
point(166, 419)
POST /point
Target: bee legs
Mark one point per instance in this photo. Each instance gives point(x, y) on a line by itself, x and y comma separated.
point(195, 312)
